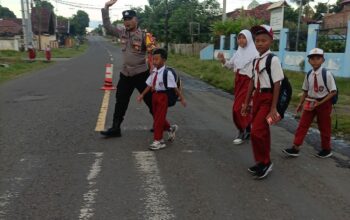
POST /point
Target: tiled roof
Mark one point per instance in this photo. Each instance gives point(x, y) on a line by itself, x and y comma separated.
point(10, 27)
point(259, 12)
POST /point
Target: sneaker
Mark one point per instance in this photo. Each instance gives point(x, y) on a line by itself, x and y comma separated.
point(263, 170)
point(292, 152)
point(324, 154)
point(157, 145)
point(172, 132)
point(239, 138)
point(253, 169)
point(112, 132)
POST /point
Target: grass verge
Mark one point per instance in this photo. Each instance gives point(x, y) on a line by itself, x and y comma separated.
point(18, 66)
point(213, 73)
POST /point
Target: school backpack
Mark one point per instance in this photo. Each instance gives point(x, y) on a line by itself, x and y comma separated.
point(172, 95)
point(324, 77)
point(285, 89)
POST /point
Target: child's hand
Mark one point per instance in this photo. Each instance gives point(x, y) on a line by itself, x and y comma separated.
point(139, 98)
point(183, 102)
point(274, 115)
point(244, 109)
point(299, 108)
point(221, 57)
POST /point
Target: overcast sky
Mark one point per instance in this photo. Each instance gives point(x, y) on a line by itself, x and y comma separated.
point(95, 14)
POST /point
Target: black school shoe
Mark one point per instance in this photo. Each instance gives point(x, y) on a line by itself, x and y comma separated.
point(291, 152)
point(263, 170)
point(324, 154)
point(111, 132)
point(253, 169)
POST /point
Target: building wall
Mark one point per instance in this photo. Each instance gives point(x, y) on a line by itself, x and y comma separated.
point(10, 43)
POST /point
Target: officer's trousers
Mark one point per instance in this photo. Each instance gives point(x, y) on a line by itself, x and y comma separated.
point(125, 88)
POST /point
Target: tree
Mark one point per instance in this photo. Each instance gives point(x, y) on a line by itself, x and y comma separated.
point(234, 26)
point(321, 8)
point(6, 13)
point(181, 13)
point(43, 4)
point(79, 23)
point(336, 8)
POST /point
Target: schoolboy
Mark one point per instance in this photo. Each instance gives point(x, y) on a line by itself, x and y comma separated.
point(316, 101)
point(155, 84)
point(264, 100)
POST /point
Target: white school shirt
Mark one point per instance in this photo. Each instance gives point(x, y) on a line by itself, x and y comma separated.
point(159, 83)
point(276, 71)
point(247, 70)
point(308, 84)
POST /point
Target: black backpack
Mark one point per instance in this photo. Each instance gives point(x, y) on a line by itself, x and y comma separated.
point(172, 95)
point(324, 77)
point(285, 90)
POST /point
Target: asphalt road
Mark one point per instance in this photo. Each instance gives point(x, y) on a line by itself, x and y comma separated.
point(53, 165)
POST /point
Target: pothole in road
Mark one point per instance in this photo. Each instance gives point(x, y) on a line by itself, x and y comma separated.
point(31, 98)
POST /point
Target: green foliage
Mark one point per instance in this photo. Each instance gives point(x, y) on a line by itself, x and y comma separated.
point(336, 8)
point(331, 45)
point(181, 13)
point(6, 13)
point(79, 23)
point(234, 26)
point(321, 8)
point(43, 4)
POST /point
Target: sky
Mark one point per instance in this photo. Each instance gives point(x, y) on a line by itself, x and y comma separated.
point(121, 5)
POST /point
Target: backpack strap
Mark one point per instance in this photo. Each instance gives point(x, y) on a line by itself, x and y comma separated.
point(268, 67)
point(324, 77)
point(165, 77)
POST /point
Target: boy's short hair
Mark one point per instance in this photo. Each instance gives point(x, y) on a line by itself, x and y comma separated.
point(316, 52)
point(162, 52)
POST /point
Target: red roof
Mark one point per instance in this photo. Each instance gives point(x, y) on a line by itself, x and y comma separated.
point(259, 12)
point(10, 27)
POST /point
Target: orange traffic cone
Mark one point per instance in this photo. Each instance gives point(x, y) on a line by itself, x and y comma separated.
point(108, 78)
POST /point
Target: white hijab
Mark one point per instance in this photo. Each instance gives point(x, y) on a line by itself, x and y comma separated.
point(245, 55)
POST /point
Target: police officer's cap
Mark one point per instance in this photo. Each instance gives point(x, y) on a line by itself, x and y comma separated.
point(128, 14)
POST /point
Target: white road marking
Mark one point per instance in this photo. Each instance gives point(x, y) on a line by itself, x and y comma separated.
point(157, 204)
point(87, 210)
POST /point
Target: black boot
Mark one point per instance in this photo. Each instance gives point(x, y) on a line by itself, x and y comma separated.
point(114, 131)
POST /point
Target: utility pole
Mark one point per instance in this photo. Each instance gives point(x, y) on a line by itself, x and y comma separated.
point(166, 23)
point(26, 24)
point(224, 11)
point(298, 28)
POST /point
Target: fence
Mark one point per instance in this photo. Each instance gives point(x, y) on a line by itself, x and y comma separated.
point(337, 58)
point(186, 49)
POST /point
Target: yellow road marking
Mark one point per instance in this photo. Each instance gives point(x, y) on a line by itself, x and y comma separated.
point(101, 120)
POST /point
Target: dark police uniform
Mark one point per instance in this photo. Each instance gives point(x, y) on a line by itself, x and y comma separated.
point(134, 72)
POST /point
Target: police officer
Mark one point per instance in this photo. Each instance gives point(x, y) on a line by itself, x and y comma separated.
point(134, 71)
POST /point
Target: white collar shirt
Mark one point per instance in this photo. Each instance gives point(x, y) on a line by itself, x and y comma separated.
point(159, 82)
point(247, 70)
point(322, 91)
point(276, 71)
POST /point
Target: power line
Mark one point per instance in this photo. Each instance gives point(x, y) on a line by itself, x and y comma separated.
point(81, 5)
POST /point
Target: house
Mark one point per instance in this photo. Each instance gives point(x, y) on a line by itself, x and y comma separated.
point(10, 27)
point(338, 20)
point(10, 34)
point(259, 12)
point(43, 26)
